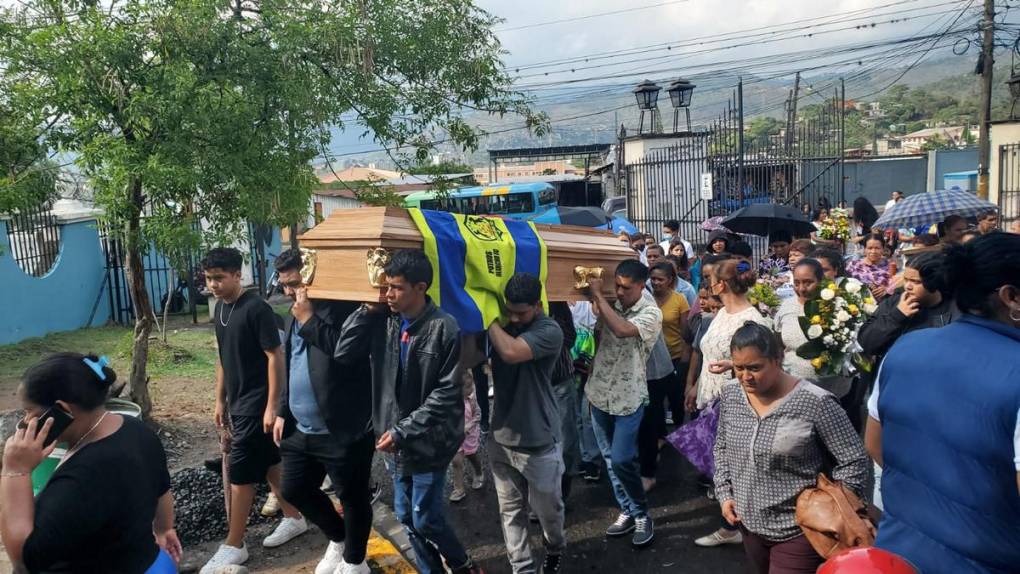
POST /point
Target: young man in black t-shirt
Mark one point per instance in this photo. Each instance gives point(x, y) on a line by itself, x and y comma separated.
point(249, 373)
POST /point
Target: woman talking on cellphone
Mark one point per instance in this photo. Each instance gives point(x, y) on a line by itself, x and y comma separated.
point(107, 507)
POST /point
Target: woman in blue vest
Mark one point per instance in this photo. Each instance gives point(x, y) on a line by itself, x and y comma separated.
point(944, 423)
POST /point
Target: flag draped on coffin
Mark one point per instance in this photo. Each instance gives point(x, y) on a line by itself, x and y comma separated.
point(473, 257)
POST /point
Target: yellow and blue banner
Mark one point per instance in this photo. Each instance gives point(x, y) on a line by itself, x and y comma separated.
point(473, 257)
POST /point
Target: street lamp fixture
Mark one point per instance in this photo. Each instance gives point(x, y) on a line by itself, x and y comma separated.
point(680, 92)
point(647, 95)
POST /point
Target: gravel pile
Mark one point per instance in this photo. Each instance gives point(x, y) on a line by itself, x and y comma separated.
point(198, 501)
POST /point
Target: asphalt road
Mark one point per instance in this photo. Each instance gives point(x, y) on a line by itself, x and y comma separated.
point(679, 507)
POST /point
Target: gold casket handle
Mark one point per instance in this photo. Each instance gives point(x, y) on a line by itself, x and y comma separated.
point(308, 261)
point(377, 259)
point(582, 274)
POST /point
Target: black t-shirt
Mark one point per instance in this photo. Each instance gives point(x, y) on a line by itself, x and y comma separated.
point(245, 330)
point(96, 512)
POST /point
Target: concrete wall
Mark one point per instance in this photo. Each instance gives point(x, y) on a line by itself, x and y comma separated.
point(61, 300)
point(877, 178)
point(949, 161)
point(1001, 133)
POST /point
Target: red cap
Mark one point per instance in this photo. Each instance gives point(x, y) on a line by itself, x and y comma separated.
point(867, 561)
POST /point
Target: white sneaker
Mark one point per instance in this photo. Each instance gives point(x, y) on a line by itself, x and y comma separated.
point(272, 506)
point(289, 529)
point(345, 568)
point(333, 557)
point(719, 538)
point(225, 556)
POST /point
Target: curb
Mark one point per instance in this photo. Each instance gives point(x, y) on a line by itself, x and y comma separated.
point(399, 557)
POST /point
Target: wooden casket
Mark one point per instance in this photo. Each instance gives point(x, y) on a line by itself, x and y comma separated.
point(345, 253)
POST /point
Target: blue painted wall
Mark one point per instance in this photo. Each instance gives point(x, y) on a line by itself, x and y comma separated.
point(61, 300)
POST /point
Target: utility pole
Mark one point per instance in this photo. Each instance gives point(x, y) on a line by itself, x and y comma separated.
point(791, 123)
point(740, 141)
point(985, 115)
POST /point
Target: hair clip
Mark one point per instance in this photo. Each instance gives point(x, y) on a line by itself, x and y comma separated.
point(743, 267)
point(97, 366)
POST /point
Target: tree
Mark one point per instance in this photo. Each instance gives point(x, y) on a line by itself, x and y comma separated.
point(27, 178)
point(211, 111)
point(937, 142)
point(442, 168)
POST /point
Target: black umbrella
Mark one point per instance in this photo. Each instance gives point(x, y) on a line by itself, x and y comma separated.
point(583, 216)
point(765, 218)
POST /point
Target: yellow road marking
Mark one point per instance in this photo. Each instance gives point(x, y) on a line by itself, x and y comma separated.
point(385, 558)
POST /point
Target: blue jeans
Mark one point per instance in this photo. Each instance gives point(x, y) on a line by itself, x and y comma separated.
point(419, 505)
point(617, 437)
point(590, 452)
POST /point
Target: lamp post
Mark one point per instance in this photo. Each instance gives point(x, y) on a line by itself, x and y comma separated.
point(680, 92)
point(647, 95)
point(1014, 91)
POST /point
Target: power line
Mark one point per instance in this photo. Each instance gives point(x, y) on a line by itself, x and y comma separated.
point(589, 16)
point(742, 44)
point(744, 33)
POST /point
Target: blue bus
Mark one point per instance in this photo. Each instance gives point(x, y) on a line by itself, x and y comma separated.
point(516, 201)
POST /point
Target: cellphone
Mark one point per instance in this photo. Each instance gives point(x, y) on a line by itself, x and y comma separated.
point(61, 420)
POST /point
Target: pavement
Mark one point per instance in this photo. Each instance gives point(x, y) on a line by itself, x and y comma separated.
point(679, 507)
point(680, 510)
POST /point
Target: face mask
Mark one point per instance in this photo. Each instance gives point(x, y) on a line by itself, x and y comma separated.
point(667, 237)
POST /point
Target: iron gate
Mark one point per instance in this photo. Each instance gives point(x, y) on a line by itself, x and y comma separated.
point(1009, 184)
point(165, 282)
point(717, 171)
point(34, 237)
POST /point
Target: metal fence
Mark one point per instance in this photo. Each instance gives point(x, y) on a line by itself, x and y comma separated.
point(180, 288)
point(1009, 184)
point(716, 172)
point(34, 237)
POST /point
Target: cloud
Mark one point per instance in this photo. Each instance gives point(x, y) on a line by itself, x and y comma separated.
point(678, 22)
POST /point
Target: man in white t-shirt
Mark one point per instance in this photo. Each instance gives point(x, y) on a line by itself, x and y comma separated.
point(896, 197)
point(671, 231)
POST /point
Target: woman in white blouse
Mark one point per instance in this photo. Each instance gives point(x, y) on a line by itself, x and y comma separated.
point(807, 275)
point(730, 281)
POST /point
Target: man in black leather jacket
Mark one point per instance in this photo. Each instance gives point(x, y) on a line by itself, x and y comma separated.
point(324, 425)
point(417, 403)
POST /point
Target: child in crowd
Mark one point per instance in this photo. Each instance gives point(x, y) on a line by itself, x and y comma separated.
point(469, 449)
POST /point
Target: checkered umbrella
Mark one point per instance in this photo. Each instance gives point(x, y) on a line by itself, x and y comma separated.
point(926, 209)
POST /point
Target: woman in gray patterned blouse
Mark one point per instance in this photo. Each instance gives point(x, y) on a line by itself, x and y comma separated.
point(776, 433)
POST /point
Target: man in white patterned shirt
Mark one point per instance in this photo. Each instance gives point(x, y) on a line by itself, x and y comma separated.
point(618, 392)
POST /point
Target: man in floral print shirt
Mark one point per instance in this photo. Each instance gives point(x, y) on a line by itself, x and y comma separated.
point(618, 393)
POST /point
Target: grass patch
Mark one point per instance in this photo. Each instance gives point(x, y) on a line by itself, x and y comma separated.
point(189, 352)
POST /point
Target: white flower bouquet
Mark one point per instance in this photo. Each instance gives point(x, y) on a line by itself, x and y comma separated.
point(831, 320)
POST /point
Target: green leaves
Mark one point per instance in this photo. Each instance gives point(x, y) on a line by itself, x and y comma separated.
point(218, 107)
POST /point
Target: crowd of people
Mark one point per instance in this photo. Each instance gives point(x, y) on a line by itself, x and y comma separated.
point(931, 435)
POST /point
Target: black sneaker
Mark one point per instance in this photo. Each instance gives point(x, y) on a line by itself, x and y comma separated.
point(551, 564)
point(591, 473)
point(644, 531)
point(623, 525)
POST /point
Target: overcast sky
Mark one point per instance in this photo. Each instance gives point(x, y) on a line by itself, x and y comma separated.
point(663, 21)
point(532, 45)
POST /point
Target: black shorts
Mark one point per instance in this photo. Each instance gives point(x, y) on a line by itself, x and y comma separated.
point(252, 451)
